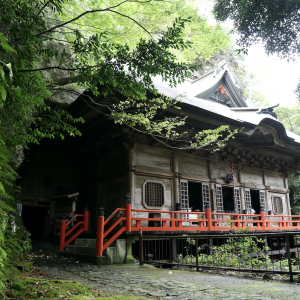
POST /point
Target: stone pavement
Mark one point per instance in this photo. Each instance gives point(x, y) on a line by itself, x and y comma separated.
point(158, 283)
point(170, 284)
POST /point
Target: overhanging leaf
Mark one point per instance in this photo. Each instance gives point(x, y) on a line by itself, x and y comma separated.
point(2, 92)
point(6, 47)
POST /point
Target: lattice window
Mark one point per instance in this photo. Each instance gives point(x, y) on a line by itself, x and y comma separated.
point(237, 197)
point(154, 194)
point(184, 199)
point(277, 205)
point(205, 195)
point(262, 198)
point(219, 199)
point(248, 205)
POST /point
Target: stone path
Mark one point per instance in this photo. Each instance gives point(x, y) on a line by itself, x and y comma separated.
point(161, 288)
point(171, 284)
point(163, 283)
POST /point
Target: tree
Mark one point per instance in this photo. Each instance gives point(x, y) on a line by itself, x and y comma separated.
point(48, 43)
point(275, 23)
point(290, 117)
point(46, 49)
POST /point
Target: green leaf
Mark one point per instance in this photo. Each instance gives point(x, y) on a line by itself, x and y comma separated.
point(10, 70)
point(2, 92)
point(2, 187)
point(6, 47)
point(2, 75)
point(2, 37)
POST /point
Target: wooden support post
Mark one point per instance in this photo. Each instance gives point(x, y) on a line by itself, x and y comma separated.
point(288, 252)
point(128, 214)
point(62, 234)
point(86, 218)
point(141, 257)
point(210, 244)
point(100, 233)
point(262, 218)
point(197, 258)
point(174, 250)
point(266, 245)
point(176, 200)
point(208, 217)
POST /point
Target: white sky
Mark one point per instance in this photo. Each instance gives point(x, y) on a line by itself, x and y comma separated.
point(278, 78)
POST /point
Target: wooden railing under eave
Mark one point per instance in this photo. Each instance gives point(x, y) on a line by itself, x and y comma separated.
point(180, 221)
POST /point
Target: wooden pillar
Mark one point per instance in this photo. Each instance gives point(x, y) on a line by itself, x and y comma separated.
point(174, 250)
point(211, 186)
point(130, 175)
point(264, 177)
point(175, 180)
point(287, 196)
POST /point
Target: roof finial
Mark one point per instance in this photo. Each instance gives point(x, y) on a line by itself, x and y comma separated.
point(220, 67)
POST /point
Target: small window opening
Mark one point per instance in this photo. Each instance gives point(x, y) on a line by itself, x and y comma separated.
point(228, 200)
point(195, 195)
point(255, 201)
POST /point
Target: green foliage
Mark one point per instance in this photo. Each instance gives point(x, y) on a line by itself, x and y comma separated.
point(125, 22)
point(294, 186)
point(23, 287)
point(289, 117)
point(275, 23)
point(236, 252)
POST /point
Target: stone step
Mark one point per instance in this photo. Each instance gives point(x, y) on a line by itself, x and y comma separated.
point(92, 242)
point(115, 253)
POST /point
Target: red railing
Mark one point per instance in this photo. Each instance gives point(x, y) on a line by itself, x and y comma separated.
point(175, 221)
point(82, 225)
point(208, 221)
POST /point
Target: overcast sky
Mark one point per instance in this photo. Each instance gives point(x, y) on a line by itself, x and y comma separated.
point(278, 78)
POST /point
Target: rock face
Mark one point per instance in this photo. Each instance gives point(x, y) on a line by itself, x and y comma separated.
point(64, 92)
point(64, 95)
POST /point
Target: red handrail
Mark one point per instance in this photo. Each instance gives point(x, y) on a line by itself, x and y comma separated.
point(109, 218)
point(209, 221)
point(73, 219)
point(84, 226)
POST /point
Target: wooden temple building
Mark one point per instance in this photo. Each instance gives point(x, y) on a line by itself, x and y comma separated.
point(167, 189)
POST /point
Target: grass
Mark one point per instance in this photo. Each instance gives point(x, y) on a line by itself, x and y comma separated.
point(23, 288)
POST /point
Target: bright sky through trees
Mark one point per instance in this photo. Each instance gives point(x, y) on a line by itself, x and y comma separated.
point(278, 78)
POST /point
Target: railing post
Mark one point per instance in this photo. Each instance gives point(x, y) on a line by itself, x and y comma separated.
point(262, 218)
point(100, 232)
point(86, 218)
point(208, 217)
point(62, 234)
point(237, 221)
point(141, 252)
point(128, 214)
point(172, 223)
